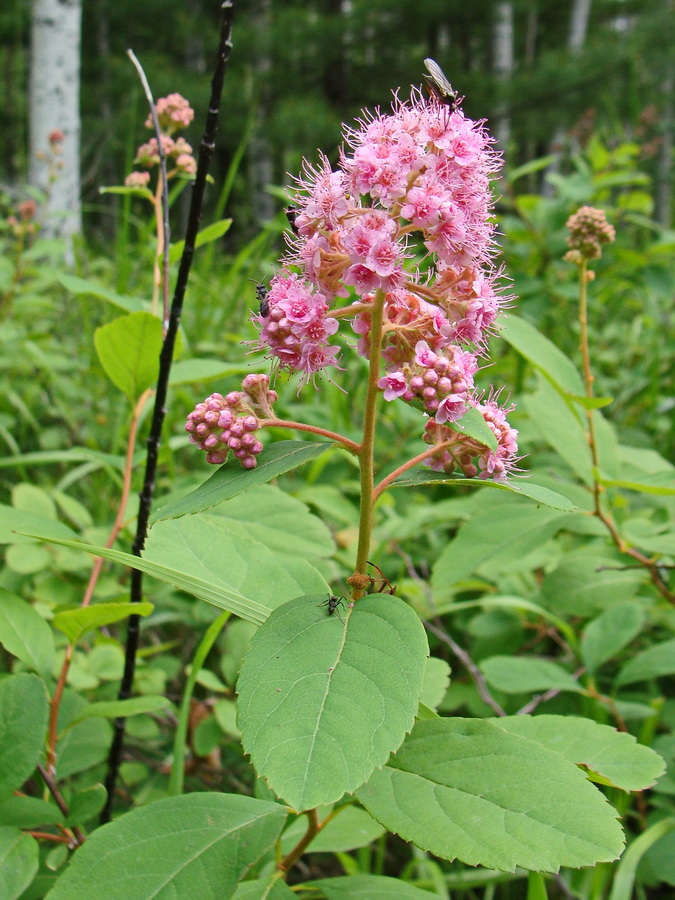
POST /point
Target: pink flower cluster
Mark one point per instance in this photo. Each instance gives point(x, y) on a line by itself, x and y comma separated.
point(462, 452)
point(173, 112)
point(223, 424)
point(405, 218)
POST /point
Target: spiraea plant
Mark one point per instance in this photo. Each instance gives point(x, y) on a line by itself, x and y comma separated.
point(391, 259)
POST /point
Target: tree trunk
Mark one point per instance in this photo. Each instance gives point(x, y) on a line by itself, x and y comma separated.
point(575, 41)
point(55, 113)
point(502, 38)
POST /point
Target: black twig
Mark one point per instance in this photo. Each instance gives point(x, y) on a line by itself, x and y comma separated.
point(205, 151)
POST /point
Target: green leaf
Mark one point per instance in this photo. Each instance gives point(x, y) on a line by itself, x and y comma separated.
point(300, 723)
point(587, 581)
point(24, 709)
point(75, 622)
point(592, 402)
point(226, 554)
point(270, 888)
point(657, 862)
point(562, 427)
point(538, 493)
point(187, 371)
point(15, 521)
point(614, 755)
point(280, 522)
point(230, 479)
point(113, 709)
point(466, 789)
point(542, 353)
point(25, 634)
point(28, 812)
point(605, 636)
point(206, 235)
point(350, 828)
point(85, 805)
point(18, 862)
point(660, 484)
point(79, 286)
point(474, 426)
point(206, 590)
point(505, 532)
point(654, 662)
point(83, 746)
point(368, 887)
point(436, 682)
point(521, 675)
point(622, 889)
point(129, 349)
point(196, 845)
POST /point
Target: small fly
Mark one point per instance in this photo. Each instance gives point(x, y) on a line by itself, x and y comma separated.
point(332, 602)
point(439, 86)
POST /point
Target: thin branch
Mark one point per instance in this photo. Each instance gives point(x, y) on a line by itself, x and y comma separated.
point(166, 231)
point(165, 359)
point(78, 837)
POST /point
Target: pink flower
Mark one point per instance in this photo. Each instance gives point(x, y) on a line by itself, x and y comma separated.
point(394, 385)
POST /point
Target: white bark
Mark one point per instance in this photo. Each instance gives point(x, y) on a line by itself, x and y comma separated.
point(55, 107)
point(503, 66)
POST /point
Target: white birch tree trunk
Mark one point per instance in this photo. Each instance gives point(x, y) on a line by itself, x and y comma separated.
point(502, 38)
point(54, 109)
point(576, 38)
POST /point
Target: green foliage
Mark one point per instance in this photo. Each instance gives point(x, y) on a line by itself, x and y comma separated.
point(546, 698)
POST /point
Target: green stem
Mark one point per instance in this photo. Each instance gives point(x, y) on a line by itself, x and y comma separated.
point(366, 456)
point(178, 767)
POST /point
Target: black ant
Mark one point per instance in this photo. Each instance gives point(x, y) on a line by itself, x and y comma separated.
point(292, 214)
point(332, 602)
point(385, 581)
point(261, 293)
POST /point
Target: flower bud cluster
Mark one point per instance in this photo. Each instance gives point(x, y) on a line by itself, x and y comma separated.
point(220, 424)
point(173, 113)
point(589, 229)
point(458, 451)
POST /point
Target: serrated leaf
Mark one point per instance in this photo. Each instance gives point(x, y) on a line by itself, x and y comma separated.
point(196, 845)
point(522, 488)
point(24, 709)
point(25, 634)
point(80, 286)
point(605, 636)
point(466, 789)
point(654, 662)
point(129, 349)
point(322, 702)
point(368, 887)
point(616, 755)
point(206, 590)
point(18, 862)
point(75, 622)
point(230, 479)
point(112, 709)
